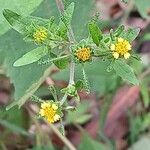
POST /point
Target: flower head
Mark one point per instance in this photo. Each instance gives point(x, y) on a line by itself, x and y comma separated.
point(50, 111)
point(83, 54)
point(121, 48)
point(40, 35)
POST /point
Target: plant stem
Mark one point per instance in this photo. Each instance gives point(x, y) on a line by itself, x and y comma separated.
point(72, 68)
point(63, 138)
point(63, 99)
point(60, 6)
point(71, 40)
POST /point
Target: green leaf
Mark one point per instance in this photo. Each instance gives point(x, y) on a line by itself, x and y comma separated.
point(79, 84)
point(24, 24)
point(82, 15)
point(89, 144)
point(62, 62)
point(31, 57)
point(67, 15)
point(143, 8)
point(62, 30)
point(10, 117)
point(31, 88)
point(119, 30)
point(95, 32)
point(25, 7)
point(125, 72)
point(130, 34)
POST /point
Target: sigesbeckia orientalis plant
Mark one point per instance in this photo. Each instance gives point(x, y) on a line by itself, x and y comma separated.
point(57, 44)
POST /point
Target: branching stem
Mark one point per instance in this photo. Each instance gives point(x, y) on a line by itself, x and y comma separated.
point(71, 40)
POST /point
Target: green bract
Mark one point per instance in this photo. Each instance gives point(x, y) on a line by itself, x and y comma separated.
point(82, 52)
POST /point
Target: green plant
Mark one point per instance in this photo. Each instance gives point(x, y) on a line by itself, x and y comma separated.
point(56, 44)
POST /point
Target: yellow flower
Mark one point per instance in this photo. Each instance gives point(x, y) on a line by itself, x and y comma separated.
point(83, 54)
point(40, 35)
point(49, 110)
point(121, 48)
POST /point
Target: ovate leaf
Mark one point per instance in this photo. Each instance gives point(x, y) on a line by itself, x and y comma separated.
point(125, 72)
point(67, 15)
point(119, 30)
point(21, 23)
point(62, 30)
point(32, 56)
point(21, 6)
point(95, 32)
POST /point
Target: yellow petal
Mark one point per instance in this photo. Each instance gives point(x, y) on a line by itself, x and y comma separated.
point(42, 112)
point(54, 106)
point(45, 104)
point(56, 117)
point(128, 46)
point(120, 39)
point(50, 120)
point(112, 47)
point(116, 55)
point(126, 55)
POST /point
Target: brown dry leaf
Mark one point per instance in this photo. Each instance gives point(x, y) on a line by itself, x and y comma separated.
point(116, 125)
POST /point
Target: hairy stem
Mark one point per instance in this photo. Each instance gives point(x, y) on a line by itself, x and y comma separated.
point(71, 40)
point(72, 68)
point(63, 99)
point(60, 6)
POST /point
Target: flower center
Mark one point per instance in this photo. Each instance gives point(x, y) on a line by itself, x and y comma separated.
point(122, 47)
point(83, 54)
point(49, 112)
point(40, 35)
